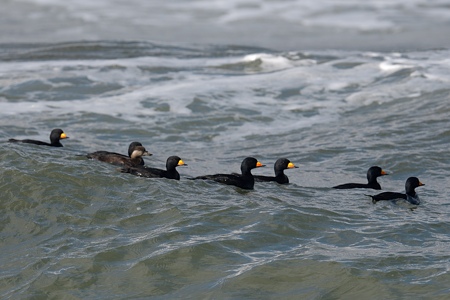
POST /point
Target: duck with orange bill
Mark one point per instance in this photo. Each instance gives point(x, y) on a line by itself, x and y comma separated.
point(55, 136)
point(280, 165)
point(170, 172)
point(245, 180)
point(372, 174)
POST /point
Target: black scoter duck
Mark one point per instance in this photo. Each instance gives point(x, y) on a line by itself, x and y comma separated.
point(55, 136)
point(244, 180)
point(279, 167)
point(171, 172)
point(410, 195)
point(134, 158)
point(372, 174)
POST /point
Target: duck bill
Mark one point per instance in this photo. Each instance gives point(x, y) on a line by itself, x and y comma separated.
point(146, 153)
point(291, 166)
point(384, 173)
point(259, 165)
point(421, 184)
point(63, 136)
point(181, 163)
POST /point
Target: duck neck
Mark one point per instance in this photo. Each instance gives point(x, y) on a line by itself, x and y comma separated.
point(247, 173)
point(372, 179)
point(279, 173)
point(411, 193)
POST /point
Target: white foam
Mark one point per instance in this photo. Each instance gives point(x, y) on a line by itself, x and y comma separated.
point(391, 67)
point(286, 92)
point(269, 62)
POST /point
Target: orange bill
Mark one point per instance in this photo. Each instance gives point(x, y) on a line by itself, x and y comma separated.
point(258, 164)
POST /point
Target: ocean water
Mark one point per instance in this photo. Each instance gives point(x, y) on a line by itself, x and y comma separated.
point(73, 228)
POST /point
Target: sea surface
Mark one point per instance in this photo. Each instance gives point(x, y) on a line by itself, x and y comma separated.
point(73, 228)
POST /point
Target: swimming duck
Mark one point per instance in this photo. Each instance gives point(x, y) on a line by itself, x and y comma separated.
point(171, 172)
point(244, 180)
point(55, 136)
point(134, 158)
point(411, 196)
point(279, 167)
point(372, 174)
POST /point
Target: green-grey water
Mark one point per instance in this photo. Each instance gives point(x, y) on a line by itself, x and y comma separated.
point(73, 228)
